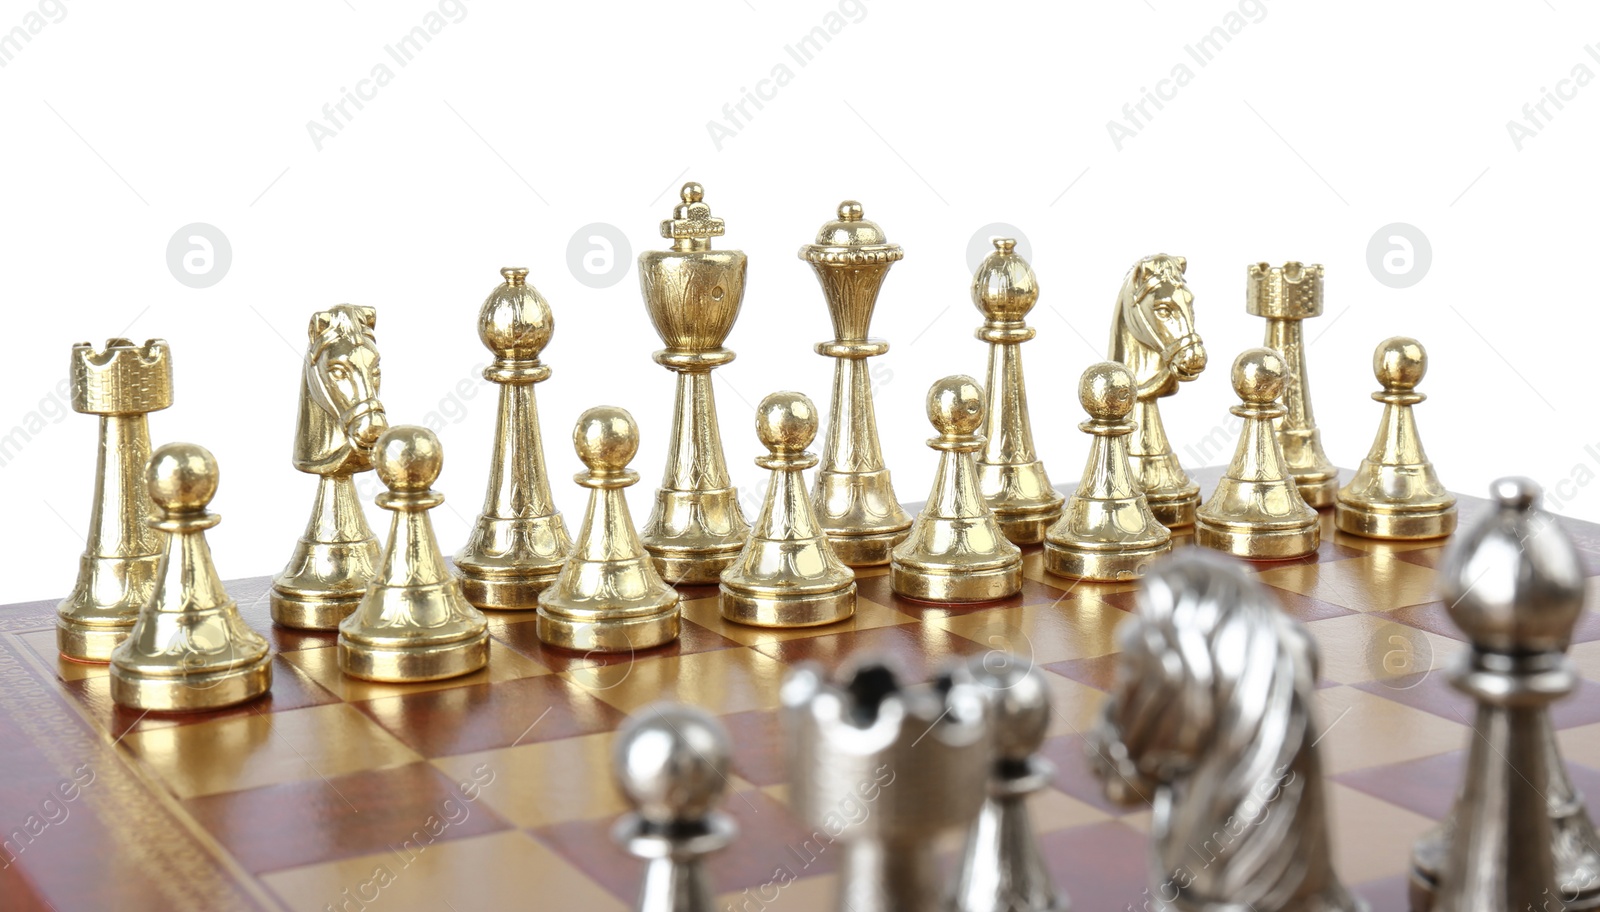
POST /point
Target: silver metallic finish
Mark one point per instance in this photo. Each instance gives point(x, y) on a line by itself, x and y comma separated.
point(1002, 869)
point(885, 770)
point(1210, 719)
point(671, 763)
point(1518, 836)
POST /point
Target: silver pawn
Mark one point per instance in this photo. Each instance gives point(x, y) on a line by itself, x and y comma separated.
point(885, 770)
point(1002, 869)
point(1518, 837)
point(671, 763)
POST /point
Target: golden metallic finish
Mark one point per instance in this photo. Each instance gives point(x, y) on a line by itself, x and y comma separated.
point(413, 624)
point(1107, 531)
point(609, 596)
point(853, 495)
point(519, 542)
point(787, 575)
point(1395, 493)
point(340, 419)
point(1257, 512)
point(1153, 335)
point(121, 383)
point(1286, 296)
point(1011, 476)
point(189, 650)
point(956, 552)
point(693, 293)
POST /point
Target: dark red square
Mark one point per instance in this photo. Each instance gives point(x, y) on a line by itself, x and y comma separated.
point(460, 720)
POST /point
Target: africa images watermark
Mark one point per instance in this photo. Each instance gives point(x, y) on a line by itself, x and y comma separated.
point(1536, 115)
point(53, 812)
point(736, 115)
point(48, 12)
point(1137, 115)
point(336, 115)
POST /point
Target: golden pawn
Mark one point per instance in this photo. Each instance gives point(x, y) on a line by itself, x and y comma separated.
point(189, 650)
point(1011, 476)
point(609, 596)
point(693, 293)
point(121, 383)
point(1395, 492)
point(413, 624)
point(955, 551)
point(787, 575)
point(1107, 531)
point(1257, 512)
point(519, 542)
point(1287, 297)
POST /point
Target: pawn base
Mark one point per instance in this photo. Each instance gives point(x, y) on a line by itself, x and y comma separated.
point(1026, 528)
point(1175, 512)
point(519, 593)
point(414, 662)
point(1401, 526)
point(1259, 544)
point(1101, 566)
point(608, 634)
point(94, 643)
point(306, 611)
point(192, 691)
point(1318, 491)
point(952, 585)
point(694, 567)
point(805, 610)
point(871, 550)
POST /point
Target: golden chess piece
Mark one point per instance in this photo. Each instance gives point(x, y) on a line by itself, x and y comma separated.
point(787, 575)
point(693, 294)
point(189, 650)
point(1011, 476)
point(1395, 493)
point(853, 495)
point(340, 418)
point(1153, 335)
point(955, 551)
point(1287, 296)
point(1257, 512)
point(414, 623)
point(121, 383)
point(609, 596)
point(519, 542)
point(1107, 531)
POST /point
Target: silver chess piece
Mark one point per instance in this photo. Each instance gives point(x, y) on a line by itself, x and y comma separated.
point(1219, 734)
point(885, 770)
point(1002, 869)
point(1518, 836)
point(671, 763)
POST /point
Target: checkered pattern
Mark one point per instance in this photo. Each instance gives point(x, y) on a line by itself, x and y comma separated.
point(493, 790)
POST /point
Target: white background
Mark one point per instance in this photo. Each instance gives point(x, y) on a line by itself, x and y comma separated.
point(516, 124)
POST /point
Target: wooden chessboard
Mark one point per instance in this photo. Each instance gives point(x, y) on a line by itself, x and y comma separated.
point(493, 791)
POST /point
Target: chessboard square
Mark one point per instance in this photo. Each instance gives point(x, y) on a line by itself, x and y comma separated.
point(463, 720)
point(692, 639)
point(1371, 648)
point(758, 746)
point(322, 666)
point(43, 644)
point(546, 782)
point(1075, 776)
point(1371, 838)
point(771, 848)
point(707, 613)
point(724, 681)
point(1041, 634)
point(259, 749)
point(915, 651)
point(1426, 786)
point(1305, 608)
point(1053, 810)
point(399, 808)
point(500, 871)
point(1101, 866)
point(1581, 745)
point(1435, 694)
point(806, 894)
point(1373, 582)
point(1074, 706)
point(1361, 730)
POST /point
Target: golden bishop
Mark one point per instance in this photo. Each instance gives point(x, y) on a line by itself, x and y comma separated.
point(787, 575)
point(955, 551)
point(1395, 492)
point(1107, 531)
point(1257, 512)
point(414, 623)
point(189, 650)
point(609, 596)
